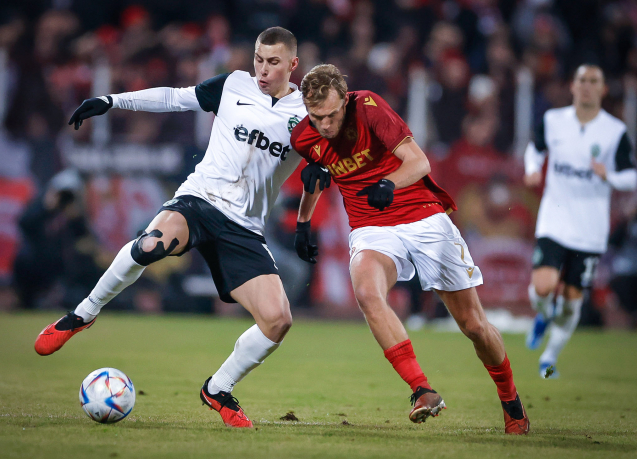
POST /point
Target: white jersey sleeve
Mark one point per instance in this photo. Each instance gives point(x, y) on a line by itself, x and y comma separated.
point(625, 180)
point(205, 96)
point(535, 152)
point(533, 159)
point(158, 100)
point(624, 177)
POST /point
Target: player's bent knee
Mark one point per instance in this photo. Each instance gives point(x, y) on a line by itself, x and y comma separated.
point(545, 281)
point(278, 325)
point(544, 288)
point(473, 329)
point(368, 298)
point(149, 248)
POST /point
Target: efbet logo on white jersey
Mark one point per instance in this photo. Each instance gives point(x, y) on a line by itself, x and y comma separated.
point(570, 171)
point(261, 141)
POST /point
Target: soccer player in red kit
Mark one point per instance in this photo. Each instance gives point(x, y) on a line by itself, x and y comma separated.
point(399, 226)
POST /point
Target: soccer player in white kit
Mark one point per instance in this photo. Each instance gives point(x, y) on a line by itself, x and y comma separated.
point(221, 208)
point(589, 155)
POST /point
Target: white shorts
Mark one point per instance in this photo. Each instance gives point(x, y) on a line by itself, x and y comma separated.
point(432, 246)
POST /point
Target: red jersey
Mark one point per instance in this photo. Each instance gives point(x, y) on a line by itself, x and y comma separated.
point(362, 154)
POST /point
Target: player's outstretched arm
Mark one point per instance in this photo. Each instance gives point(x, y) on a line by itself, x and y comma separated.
point(304, 249)
point(148, 100)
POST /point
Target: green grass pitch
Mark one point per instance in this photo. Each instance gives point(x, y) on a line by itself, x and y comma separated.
point(327, 373)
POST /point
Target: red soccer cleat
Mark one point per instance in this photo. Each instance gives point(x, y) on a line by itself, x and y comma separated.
point(55, 335)
point(426, 403)
point(516, 422)
point(227, 406)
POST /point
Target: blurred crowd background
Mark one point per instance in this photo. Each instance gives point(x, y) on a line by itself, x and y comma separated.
point(472, 78)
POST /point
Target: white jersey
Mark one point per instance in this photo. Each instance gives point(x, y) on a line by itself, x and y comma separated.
point(575, 207)
point(249, 155)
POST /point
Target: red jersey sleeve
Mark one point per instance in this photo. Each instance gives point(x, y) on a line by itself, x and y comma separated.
point(383, 121)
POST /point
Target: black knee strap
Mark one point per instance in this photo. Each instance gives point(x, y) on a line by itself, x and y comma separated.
point(146, 258)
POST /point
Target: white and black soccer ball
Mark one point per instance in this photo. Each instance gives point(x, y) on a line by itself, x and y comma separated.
point(107, 395)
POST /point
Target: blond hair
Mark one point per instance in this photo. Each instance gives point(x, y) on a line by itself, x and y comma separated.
point(317, 83)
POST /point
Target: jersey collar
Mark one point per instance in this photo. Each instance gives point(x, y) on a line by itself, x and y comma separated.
point(295, 92)
point(599, 115)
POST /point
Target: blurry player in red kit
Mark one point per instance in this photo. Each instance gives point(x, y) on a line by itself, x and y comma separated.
point(399, 226)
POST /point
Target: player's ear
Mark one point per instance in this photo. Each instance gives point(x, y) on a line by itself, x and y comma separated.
point(294, 63)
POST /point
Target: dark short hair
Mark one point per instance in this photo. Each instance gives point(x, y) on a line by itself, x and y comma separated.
point(592, 66)
point(276, 35)
point(317, 83)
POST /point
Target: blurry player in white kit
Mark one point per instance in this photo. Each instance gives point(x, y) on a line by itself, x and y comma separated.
point(589, 155)
point(220, 209)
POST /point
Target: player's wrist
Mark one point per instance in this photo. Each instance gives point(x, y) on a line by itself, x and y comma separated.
point(107, 99)
point(302, 227)
point(387, 183)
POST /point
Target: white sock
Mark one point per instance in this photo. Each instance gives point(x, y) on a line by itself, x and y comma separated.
point(559, 307)
point(249, 352)
point(561, 330)
point(539, 303)
point(119, 275)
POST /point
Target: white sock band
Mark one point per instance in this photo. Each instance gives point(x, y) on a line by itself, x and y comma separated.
point(249, 352)
point(539, 303)
point(122, 273)
point(562, 329)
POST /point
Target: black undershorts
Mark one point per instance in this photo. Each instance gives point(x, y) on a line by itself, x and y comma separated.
point(577, 267)
point(233, 253)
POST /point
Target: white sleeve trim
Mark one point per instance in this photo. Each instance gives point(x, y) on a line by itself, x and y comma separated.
point(625, 180)
point(533, 159)
point(158, 100)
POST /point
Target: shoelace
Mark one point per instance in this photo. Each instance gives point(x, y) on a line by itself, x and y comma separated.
point(75, 323)
point(418, 393)
point(232, 403)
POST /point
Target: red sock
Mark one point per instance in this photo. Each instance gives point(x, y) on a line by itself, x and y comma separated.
point(403, 359)
point(503, 378)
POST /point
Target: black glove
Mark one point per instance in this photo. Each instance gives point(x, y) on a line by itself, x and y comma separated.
point(304, 249)
point(379, 195)
point(89, 108)
point(313, 172)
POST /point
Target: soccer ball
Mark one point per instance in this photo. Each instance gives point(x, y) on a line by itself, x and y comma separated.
point(107, 395)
